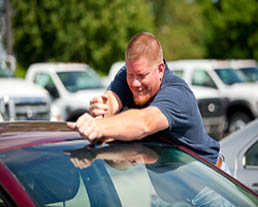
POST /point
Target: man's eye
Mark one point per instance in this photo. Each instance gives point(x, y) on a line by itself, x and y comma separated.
point(142, 76)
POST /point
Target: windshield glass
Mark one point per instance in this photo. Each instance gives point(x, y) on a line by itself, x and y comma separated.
point(229, 76)
point(121, 174)
point(80, 80)
point(251, 73)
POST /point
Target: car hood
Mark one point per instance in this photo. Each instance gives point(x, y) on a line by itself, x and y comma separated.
point(16, 87)
point(241, 89)
point(205, 92)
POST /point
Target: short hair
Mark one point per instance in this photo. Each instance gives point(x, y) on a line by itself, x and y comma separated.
point(144, 44)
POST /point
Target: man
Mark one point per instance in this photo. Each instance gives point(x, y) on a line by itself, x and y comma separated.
point(157, 102)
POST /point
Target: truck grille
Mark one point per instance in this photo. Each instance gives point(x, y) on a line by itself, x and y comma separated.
point(29, 108)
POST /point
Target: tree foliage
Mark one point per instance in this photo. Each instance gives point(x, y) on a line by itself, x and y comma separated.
point(231, 28)
point(91, 31)
point(179, 26)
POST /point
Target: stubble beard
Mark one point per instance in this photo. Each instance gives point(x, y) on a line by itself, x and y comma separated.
point(141, 100)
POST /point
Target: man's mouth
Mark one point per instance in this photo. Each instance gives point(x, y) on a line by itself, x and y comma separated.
point(140, 89)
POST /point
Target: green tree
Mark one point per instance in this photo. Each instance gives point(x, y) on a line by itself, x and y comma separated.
point(179, 26)
point(231, 28)
point(91, 31)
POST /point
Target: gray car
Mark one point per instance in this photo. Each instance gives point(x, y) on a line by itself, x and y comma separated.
point(241, 152)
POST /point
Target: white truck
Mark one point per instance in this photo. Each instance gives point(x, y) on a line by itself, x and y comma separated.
point(20, 100)
point(71, 86)
point(210, 103)
point(219, 76)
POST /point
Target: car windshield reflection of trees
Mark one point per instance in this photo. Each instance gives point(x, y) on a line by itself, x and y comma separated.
point(80, 80)
point(120, 174)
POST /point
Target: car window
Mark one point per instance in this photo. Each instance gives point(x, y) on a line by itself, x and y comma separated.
point(250, 73)
point(5, 72)
point(45, 81)
point(251, 156)
point(80, 80)
point(202, 78)
point(229, 76)
point(174, 178)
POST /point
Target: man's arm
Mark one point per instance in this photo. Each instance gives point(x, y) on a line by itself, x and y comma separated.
point(133, 124)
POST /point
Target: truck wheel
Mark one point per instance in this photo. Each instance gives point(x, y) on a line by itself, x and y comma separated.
point(238, 121)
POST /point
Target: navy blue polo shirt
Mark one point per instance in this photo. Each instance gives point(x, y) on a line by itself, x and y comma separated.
point(178, 103)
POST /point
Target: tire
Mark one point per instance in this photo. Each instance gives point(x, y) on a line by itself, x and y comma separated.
point(238, 121)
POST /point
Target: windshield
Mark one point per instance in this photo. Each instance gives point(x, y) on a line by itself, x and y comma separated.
point(251, 73)
point(229, 76)
point(80, 80)
point(121, 174)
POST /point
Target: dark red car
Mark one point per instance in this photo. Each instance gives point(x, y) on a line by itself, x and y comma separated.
point(47, 164)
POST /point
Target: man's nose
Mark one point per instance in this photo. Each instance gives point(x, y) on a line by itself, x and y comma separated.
point(136, 82)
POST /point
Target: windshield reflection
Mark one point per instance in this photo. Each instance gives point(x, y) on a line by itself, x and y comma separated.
point(169, 169)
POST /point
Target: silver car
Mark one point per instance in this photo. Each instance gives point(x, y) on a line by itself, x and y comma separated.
point(241, 152)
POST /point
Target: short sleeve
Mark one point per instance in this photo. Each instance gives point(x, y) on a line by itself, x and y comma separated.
point(176, 104)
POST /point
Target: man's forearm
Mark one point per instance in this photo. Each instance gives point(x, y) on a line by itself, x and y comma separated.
point(133, 124)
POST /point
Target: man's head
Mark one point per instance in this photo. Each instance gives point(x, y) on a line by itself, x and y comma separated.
point(145, 67)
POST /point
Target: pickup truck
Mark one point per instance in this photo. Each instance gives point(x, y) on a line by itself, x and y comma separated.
point(220, 76)
point(20, 100)
point(70, 85)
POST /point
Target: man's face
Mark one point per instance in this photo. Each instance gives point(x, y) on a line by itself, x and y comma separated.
point(144, 79)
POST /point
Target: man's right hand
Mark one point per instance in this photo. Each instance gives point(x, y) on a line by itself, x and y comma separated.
point(99, 106)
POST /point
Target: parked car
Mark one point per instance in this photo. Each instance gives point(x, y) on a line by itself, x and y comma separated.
point(20, 100)
point(71, 86)
point(246, 67)
point(210, 103)
point(241, 152)
point(221, 77)
point(47, 164)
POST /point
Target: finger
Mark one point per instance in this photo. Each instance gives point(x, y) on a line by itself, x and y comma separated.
point(71, 125)
point(103, 106)
point(98, 112)
point(73, 160)
point(97, 99)
point(99, 117)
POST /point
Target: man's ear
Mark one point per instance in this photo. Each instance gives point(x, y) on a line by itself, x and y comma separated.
point(161, 69)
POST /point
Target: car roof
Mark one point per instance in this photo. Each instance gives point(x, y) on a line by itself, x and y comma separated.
point(59, 66)
point(193, 63)
point(24, 134)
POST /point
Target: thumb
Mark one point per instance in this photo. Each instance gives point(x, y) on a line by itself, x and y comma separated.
point(104, 98)
point(71, 125)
